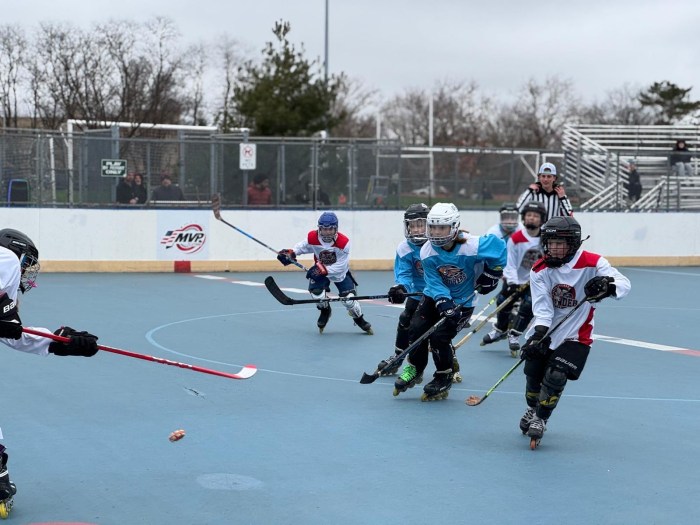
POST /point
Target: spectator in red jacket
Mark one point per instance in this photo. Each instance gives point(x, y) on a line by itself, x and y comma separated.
point(259, 191)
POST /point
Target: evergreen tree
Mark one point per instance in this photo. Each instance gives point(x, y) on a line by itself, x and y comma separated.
point(286, 95)
point(669, 101)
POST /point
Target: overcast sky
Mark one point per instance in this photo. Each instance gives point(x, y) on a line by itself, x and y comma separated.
point(391, 45)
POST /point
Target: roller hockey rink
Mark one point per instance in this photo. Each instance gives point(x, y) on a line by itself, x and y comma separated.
point(303, 442)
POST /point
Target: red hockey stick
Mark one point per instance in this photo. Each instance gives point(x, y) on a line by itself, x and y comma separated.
point(246, 372)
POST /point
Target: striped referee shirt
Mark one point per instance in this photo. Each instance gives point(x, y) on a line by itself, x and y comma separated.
point(554, 205)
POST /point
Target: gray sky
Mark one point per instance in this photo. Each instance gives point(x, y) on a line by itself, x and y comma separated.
point(391, 45)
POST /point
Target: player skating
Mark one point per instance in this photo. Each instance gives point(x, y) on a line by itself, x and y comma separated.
point(19, 267)
point(523, 250)
point(450, 260)
point(567, 276)
point(408, 278)
point(508, 220)
point(331, 251)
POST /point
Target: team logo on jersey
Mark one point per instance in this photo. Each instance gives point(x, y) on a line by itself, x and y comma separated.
point(451, 275)
point(188, 239)
point(564, 296)
point(418, 267)
point(327, 257)
point(531, 256)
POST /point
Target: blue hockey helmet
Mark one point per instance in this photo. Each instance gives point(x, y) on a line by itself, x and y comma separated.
point(328, 226)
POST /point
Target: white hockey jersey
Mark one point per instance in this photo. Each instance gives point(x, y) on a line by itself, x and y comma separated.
point(523, 251)
point(555, 291)
point(334, 256)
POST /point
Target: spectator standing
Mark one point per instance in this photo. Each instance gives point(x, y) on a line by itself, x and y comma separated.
point(259, 192)
point(549, 192)
point(125, 190)
point(680, 159)
point(167, 191)
point(634, 184)
point(140, 193)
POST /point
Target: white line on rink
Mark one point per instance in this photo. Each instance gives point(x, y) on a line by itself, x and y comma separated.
point(606, 338)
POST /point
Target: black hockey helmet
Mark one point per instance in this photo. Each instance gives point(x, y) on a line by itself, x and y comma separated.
point(23, 247)
point(414, 218)
point(561, 228)
point(508, 217)
point(535, 206)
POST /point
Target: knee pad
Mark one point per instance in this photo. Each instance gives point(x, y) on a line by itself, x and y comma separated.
point(353, 307)
point(320, 293)
point(405, 320)
point(553, 385)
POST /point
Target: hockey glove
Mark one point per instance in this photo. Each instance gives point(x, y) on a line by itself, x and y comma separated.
point(80, 344)
point(510, 289)
point(10, 330)
point(537, 346)
point(286, 257)
point(488, 280)
point(317, 271)
point(600, 287)
point(397, 294)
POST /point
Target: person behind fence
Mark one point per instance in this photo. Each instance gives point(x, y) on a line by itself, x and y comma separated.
point(549, 191)
point(680, 159)
point(259, 192)
point(125, 189)
point(140, 192)
point(634, 184)
point(167, 191)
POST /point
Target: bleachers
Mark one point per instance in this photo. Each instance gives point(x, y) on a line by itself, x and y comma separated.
point(597, 159)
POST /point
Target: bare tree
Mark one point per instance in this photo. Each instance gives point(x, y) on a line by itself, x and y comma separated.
point(354, 103)
point(620, 106)
point(229, 58)
point(537, 117)
point(196, 62)
point(13, 49)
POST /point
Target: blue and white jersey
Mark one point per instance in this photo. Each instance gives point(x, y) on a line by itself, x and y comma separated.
point(408, 267)
point(499, 232)
point(451, 274)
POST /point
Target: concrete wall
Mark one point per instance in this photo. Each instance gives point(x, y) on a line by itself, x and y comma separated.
point(77, 240)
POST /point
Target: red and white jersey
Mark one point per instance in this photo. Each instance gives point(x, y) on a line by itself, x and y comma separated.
point(555, 291)
point(334, 256)
point(523, 251)
point(9, 290)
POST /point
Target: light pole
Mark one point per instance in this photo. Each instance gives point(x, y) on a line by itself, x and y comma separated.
point(325, 60)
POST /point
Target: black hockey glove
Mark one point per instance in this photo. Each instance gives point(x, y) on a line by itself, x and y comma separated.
point(10, 330)
point(600, 287)
point(317, 271)
point(510, 289)
point(397, 294)
point(80, 344)
point(488, 280)
point(537, 346)
point(286, 257)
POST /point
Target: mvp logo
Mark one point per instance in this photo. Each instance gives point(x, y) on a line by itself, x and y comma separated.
point(188, 239)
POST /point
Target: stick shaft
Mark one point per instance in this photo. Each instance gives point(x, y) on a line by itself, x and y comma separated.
point(145, 357)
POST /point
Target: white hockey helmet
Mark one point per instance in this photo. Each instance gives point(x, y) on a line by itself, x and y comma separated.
point(442, 214)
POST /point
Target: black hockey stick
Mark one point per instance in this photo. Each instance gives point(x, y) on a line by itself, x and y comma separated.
point(500, 307)
point(473, 401)
point(216, 207)
point(278, 294)
point(366, 378)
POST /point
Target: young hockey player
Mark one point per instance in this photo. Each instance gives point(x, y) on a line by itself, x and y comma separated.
point(507, 221)
point(331, 251)
point(523, 250)
point(567, 276)
point(19, 267)
point(408, 276)
point(449, 260)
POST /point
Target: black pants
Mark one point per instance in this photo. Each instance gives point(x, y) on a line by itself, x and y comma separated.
point(403, 334)
point(440, 341)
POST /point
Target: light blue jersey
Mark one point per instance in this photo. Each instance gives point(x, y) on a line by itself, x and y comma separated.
point(408, 268)
point(451, 274)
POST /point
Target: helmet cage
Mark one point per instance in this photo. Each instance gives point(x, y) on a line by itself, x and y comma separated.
point(328, 227)
point(442, 215)
point(415, 224)
point(23, 247)
point(573, 242)
point(509, 220)
point(29, 267)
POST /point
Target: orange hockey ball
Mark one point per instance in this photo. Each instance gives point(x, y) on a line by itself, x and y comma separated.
point(177, 435)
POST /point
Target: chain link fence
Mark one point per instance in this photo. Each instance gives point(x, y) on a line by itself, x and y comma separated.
point(39, 168)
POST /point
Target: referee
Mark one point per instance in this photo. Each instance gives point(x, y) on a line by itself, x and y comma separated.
point(547, 191)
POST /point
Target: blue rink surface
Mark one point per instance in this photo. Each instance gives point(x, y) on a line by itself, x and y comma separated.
point(303, 442)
